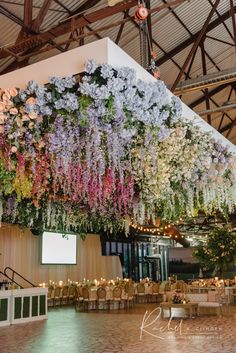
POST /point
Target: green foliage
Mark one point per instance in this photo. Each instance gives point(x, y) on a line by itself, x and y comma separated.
point(219, 251)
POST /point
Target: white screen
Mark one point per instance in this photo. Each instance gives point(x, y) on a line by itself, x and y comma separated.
point(58, 250)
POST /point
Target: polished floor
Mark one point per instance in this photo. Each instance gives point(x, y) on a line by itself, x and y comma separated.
point(123, 332)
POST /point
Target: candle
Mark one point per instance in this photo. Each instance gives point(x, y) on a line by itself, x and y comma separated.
point(216, 278)
point(60, 283)
point(44, 285)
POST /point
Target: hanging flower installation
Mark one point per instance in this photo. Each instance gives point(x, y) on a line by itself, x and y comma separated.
point(192, 172)
point(84, 155)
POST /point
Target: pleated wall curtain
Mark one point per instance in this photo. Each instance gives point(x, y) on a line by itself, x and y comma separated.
point(20, 249)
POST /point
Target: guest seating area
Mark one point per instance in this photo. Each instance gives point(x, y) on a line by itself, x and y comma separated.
point(117, 294)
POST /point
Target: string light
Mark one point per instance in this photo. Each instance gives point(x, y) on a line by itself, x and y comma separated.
point(164, 230)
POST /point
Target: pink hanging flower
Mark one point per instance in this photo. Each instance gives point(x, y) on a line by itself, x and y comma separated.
point(13, 111)
point(3, 108)
point(13, 92)
point(6, 95)
point(33, 116)
point(14, 149)
point(31, 101)
point(2, 119)
point(25, 117)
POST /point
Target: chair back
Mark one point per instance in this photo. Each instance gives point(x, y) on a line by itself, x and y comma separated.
point(167, 286)
point(155, 287)
point(85, 292)
point(50, 289)
point(80, 291)
point(77, 293)
point(162, 287)
point(126, 287)
point(101, 293)
point(140, 288)
point(131, 291)
point(57, 292)
point(71, 291)
point(117, 291)
point(65, 291)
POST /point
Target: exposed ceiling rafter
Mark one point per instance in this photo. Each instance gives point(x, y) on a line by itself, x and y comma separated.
point(180, 47)
point(76, 22)
point(211, 93)
point(195, 45)
point(66, 27)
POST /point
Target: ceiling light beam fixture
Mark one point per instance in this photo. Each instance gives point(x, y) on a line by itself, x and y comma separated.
point(223, 108)
point(215, 79)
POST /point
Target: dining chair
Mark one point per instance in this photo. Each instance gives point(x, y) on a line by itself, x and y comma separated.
point(141, 296)
point(64, 295)
point(71, 294)
point(116, 296)
point(57, 296)
point(88, 302)
point(154, 291)
point(129, 297)
point(78, 299)
point(101, 298)
point(50, 296)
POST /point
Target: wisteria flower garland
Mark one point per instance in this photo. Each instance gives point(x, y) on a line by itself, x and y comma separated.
point(84, 155)
point(193, 172)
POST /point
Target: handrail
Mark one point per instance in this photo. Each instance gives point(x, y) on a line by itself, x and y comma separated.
point(3, 274)
point(18, 274)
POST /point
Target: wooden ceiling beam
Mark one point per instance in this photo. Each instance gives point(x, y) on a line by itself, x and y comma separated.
point(26, 27)
point(11, 16)
point(87, 5)
point(204, 71)
point(223, 115)
point(222, 20)
point(75, 22)
point(149, 28)
point(230, 128)
point(220, 40)
point(41, 15)
point(120, 31)
point(190, 33)
point(28, 12)
point(16, 64)
point(187, 74)
point(233, 21)
point(199, 39)
point(210, 94)
point(66, 26)
point(230, 125)
point(63, 6)
point(193, 38)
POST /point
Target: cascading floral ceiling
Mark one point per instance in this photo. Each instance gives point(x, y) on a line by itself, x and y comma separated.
point(84, 156)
